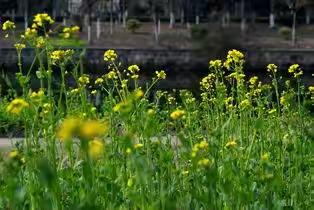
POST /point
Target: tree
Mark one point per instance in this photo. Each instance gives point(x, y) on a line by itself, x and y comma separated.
point(294, 6)
point(272, 14)
point(87, 8)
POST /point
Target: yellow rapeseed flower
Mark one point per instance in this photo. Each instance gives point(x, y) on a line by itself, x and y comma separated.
point(207, 82)
point(40, 42)
point(68, 129)
point(216, 64)
point(94, 92)
point(16, 106)
point(112, 75)
point(161, 74)
point(41, 19)
point(84, 129)
point(123, 107)
point(272, 68)
point(177, 114)
point(296, 70)
point(7, 25)
point(110, 56)
point(138, 146)
point(19, 46)
point(246, 103)
point(99, 81)
point(265, 157)
point(83, 80)
point(231, 144)
point(47, 108)
point(95, 148)
point(151, 112)
point(60, 56)
point(91, 129)
point(30, 33)
point(133, 69)
point(74, 91)
point(13, 154)
point(204, 162)
point(234, 57)
point(253, 80)
point(37, 96)
point(138, 94)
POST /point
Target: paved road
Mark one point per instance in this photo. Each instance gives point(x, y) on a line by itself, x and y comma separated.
point(5, 142)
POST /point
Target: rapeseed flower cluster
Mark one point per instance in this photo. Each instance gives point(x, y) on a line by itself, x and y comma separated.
point(126, 105)
point(234, 57)
point(112, 75)
point(205, 162)
point(207, 82)
point(296, 70)
point(253, 81)
point(41, 19)
point(37, 96)
point(16, 106)
point(199, 147)
point(133, 70)
point(83, 80)
point(40, 42)
point(19, 47)
point(8, 25)
point(231, 144)
point(216, 64)
point(177, 114)
point(83, 129)
point(68, 32)
point(99, 81)
point(30, 33)
point(110, 56)
point(161, 74)
point(95, 148)
point(60, 56)
point(272, 68)
point(246, 103)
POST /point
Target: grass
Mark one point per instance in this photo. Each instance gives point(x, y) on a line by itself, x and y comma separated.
point(241, 145)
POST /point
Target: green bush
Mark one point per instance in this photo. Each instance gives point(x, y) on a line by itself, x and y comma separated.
point(198, 32)
point(133, 25)
point(285, 32)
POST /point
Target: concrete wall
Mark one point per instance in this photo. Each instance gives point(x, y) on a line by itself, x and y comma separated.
point(183, 66)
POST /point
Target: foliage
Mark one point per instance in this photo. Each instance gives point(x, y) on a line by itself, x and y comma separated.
point(198, 32)
point(242, 144)
point(285, 32)
point(133, 25)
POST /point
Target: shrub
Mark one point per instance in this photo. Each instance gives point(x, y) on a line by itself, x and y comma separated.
point(198, 32)
point(285, 32)
point(133, 25)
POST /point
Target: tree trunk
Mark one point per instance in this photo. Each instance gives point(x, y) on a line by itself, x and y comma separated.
point(171, 14)
point(124, 14)
point(272, 14)
point(111, 17)
point(98, 28)
point(243, 18)
point(156, 28)
point(308, 16)
point(26, 14)
point(294, 27)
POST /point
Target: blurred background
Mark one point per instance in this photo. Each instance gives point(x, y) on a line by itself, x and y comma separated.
point(179, 36)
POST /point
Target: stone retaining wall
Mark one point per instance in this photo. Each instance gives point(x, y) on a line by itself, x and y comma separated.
point(180, 64)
